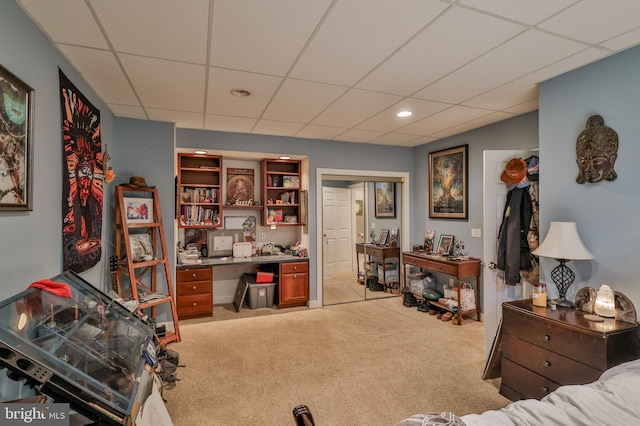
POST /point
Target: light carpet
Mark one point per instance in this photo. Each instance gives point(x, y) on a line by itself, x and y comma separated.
point(368, 363)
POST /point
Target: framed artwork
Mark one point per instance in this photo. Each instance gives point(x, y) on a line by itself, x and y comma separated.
point(139, 210)
point(359, 207)
point(385, 199)
point(240, 185)
point(445, 245)
point(384, 236)
point(16, 144)
point(448, 183)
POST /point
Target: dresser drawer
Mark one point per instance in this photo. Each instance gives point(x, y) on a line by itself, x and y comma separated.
point(587, 348)
point(524, 382)
point(560, 369)
point(193, 274)
point(294, 267)
point(191, 288)
point(195, 305)
point(443, 268)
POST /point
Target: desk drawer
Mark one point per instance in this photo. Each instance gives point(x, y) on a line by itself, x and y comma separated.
point(193, 274)
point(191, 288)
point(525, 382)
point(294, 267)
point(440, 267)
point(586, 348)
point(195, 305)
point(558, 368)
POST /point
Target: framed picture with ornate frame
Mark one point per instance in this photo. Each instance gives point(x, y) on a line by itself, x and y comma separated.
point(385, 199)
point(16, 151)
point(448, 183)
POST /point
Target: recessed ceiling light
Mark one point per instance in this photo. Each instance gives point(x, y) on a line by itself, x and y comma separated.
point(199, 151)
point(403, 114)
point(241, 93)
point(285, 157)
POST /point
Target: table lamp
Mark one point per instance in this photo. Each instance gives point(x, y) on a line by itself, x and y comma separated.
point(563, 244)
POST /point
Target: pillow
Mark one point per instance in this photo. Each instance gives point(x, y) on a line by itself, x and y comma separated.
point(432, 419)
point(141, 247)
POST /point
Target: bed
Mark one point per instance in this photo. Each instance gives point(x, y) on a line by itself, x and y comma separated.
point(614, 399)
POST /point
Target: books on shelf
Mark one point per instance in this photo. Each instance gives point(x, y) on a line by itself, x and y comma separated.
point(199, 195)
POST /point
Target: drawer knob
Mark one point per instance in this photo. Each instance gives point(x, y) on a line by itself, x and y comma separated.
point(194, 287)
point(194, 274)
point(546, 364)
point(195, 304)
point(546, 337)
point(545, 390)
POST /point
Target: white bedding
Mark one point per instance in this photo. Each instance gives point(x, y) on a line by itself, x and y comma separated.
point(614, 400)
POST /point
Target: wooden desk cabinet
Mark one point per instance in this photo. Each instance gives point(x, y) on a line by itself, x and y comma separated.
point(194, 292)
point(293, 284)
point(544, 349)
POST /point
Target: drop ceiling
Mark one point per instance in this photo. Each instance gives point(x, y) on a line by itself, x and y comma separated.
point(331, 69)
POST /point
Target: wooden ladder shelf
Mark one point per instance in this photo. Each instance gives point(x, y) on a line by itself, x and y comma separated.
point(137, 279)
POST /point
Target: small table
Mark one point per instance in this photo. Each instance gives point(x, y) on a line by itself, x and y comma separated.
point(383, 252)
point(456, 268)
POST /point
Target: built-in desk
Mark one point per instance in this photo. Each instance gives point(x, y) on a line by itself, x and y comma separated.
point(456, 268)
point(194, 282)
point(382, 252)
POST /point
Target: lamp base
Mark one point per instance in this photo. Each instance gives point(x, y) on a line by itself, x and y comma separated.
point(564, 303)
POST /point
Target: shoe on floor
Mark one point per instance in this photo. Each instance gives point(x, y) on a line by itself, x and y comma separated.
point(447, 316)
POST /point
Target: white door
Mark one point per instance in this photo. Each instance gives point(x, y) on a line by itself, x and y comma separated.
point(495, 292)
point(338, 248)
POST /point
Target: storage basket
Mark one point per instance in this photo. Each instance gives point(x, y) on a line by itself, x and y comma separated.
point(263, 277)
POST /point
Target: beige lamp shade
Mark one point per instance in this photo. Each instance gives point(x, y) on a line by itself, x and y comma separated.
point(563, 242)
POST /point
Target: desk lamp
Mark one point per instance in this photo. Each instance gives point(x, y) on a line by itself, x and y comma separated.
point(563, 244)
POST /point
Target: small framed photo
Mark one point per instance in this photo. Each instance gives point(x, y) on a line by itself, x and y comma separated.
point(384, 236)
point(429, 235)
point(445, 245)
point(139, 210)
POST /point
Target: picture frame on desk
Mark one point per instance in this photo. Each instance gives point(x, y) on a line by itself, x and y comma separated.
point(384, 236)
point(445, 245)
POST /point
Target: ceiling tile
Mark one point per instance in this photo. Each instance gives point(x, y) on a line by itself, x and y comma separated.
point(438, 50)
point(513, 93)
point(473, 124)
point(224, 123)
point(354, 107)
point(394, 139)
point(361, 136)
point(359, 34)
point(279, 128)
point(527, 11)
point(623, 41)
point(188, 120)
point(157, 28)
point(523, 108)
point(100, 68)
point(387, 121)
point(128, 111)
point(319, 132)
point(300, 101)
point(166, 84)
point(50, 15)
point(221, 101)
point(421, 141)
point(519, 56)
point(585, 20)
point(262, 36)
point(444, 120)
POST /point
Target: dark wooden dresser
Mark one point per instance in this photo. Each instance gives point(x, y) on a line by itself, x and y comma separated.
point(543, 349)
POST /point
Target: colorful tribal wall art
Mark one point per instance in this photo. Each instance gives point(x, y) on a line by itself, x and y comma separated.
point(82, 197)
point(16, 158)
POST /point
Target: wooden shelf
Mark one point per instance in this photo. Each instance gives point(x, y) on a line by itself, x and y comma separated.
point(199, 191)
point(281, 181)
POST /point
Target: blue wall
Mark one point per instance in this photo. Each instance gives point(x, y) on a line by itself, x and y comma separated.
point(31, 246)
point(606, 213)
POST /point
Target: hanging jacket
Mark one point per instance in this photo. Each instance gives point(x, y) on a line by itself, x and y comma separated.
point(513, 247)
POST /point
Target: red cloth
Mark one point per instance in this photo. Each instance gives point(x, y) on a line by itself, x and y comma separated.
point(59, 289)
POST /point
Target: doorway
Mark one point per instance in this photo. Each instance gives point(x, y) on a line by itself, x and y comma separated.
point(345, 213)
